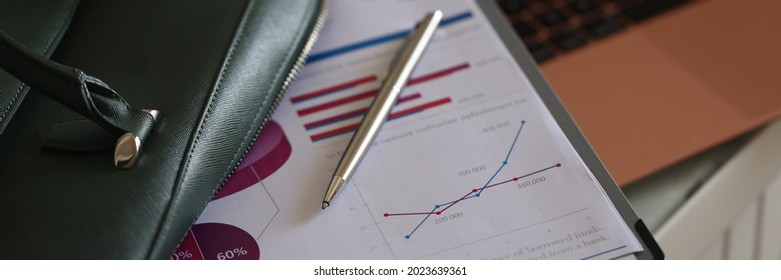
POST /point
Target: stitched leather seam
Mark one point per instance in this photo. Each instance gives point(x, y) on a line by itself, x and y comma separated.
point(248, 135)
point(7, 109)
point(270, 95)
point(242, 24)
point(46, 49)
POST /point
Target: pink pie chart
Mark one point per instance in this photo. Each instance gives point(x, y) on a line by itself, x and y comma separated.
point(270, 151)
point(216, 241)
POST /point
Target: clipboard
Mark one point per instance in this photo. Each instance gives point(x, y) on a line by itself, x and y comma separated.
point(462, 113)
point(529, 67)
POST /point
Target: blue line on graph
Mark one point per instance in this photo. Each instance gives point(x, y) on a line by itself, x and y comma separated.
point(421, 222)
point(512, 146)
point(457, 200)
point(380, 39)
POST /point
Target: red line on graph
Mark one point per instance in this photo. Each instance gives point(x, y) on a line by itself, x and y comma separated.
point(355, 112)
point(408, 98)
point(331, 89)
point(399, 114)
point(338, 102)
point(470, 193)
point(407, 214)
point(372, 93)
point(456, 202)
point(521, 177)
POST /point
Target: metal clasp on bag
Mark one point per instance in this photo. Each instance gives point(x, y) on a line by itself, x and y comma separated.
point(128, 147)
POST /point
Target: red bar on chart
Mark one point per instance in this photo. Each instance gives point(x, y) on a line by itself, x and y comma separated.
point(333, 89)
point(438, 74)
point(353, 98)
point(338, 102)
point(331, 133)
point(392, 116)
point(354, 113)
point(419, 108)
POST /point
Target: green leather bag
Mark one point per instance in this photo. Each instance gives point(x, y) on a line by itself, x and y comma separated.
point(87, 169)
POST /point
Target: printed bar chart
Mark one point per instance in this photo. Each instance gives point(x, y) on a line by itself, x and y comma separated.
point(371, 93)
point(336, 109)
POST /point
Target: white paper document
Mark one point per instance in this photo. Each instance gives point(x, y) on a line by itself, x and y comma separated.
point(470, 165)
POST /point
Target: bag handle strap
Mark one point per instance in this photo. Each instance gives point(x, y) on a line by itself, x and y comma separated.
point(83, 94)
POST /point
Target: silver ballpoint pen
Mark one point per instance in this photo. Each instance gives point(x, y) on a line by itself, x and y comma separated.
point(398, 73)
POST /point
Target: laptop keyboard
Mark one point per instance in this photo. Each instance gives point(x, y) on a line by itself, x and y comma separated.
point(552, 27)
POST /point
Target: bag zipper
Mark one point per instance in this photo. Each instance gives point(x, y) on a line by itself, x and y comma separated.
point(291, 76)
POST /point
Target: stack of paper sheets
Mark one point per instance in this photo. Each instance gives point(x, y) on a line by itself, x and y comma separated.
point(470, 165)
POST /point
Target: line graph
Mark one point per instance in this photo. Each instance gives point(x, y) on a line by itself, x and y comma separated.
point(474, 193)
point(366, 94)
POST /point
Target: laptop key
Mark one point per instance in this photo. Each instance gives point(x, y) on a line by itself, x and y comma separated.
point(639, 10)
point(552, 17)
point(523, 29)
point(539, 52)
point(605, 25)
point(582, 6)
point(568, 40)
point(577, 20)
point(512, 6)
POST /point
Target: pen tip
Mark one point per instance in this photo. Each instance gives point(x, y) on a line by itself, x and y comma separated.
point(325, 205)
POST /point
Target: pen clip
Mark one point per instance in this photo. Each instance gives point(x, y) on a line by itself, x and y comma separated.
point(401, 49)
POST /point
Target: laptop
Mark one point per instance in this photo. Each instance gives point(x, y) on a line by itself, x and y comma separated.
point(651, 83)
